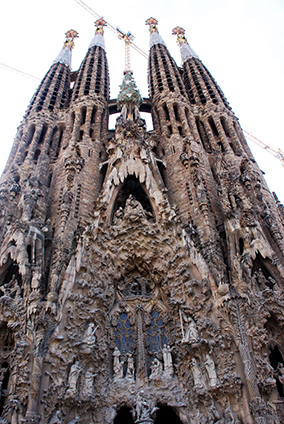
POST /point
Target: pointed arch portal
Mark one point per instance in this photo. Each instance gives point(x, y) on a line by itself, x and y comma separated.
point(132, 186)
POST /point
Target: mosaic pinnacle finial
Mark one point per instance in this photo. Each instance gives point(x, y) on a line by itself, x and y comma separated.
point(186, 51)
point(100, 24)
point(129, 93)
point(155, 37)
point(152, 22)
point(70, 35)
point(65, 54)
point(98, 39)
point(180, 35)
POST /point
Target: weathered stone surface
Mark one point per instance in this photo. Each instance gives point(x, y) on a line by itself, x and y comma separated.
point(141, 273)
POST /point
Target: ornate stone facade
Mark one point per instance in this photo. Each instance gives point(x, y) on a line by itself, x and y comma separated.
point(141, 273)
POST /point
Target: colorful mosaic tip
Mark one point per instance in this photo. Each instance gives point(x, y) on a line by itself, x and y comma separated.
point(180, 35)
point(152, 22)
point(70, 35)
point(100, 24)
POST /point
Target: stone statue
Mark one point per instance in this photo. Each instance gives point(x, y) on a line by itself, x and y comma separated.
point(133, 209)
point(143, 409)
point(168, 361)
point(214, 416)
point(89, 382)
point(210, 367)
point(89, 338)
point(156, 370)
point(73, 378)
point(197, 375)
point(118, 216)
point(57, 418)
point(130, 367)
point(117, 365)
point(75, 421)
point(231, 417)
point(191, 334)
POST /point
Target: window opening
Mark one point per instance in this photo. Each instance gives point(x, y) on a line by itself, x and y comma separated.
point(5, 374)
point(103, 172)
point(166, 69)
point(166, 110)
point(188, 85)
point(61, 131)
point(241, 246)
point(99, 72)
point(225, 127)
point(36, 155)
point(203, 135)
point(157, 69)
point(276, 361)
point(197, 84)
point(93, 117)
point(30, 135)
point(83, 115)
point(162, 170)
point(12, 272)
point(124, 416)
point(156, 334)
point(170, 130)
point(124, 334)
point(176, 112)
point(213, 126)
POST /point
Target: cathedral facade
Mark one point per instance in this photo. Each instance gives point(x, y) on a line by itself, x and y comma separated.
point(141, 272)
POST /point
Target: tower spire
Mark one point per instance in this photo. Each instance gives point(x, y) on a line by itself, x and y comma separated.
point(98, 39)
point(155, 37)
point(186, 51)
point(65, 54)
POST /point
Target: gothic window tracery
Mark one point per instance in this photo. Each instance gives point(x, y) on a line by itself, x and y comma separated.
point(156, 333)
point(124, 334)
point(132, 194)
point(138, 326)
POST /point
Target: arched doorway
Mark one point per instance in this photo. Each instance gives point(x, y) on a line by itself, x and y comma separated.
point(132, 187)
point(124, 416)
point(166, 414)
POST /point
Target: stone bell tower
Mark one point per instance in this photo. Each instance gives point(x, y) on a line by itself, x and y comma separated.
point(141, 272)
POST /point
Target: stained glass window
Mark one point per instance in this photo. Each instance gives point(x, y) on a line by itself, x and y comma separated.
point(123, 334)
point(156, 333)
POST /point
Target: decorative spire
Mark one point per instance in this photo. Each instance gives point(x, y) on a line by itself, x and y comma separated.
point(98, 39)
point(155, 37)
point(129, 93)
point(129, 98)
point(185, 50)
point(65, 54)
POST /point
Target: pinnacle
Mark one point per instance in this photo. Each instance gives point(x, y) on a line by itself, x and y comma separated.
point(98, 39)
point(155, 37)
point(185, 50)
point(129, 93)
point(66, 53)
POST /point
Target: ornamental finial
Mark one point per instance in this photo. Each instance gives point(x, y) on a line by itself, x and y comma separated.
point(180, 35)
point(100, 24)
point(70, 35)
point(152, 22)
point(186, 51)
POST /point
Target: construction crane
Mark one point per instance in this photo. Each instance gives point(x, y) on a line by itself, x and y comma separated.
point(17, 71)
point(278, 154)
point(128, 40)
point(117, 31)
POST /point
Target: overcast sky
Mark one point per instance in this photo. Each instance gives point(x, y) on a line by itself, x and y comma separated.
point(239, 41)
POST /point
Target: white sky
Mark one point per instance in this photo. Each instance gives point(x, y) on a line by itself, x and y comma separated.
point(239, 41)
